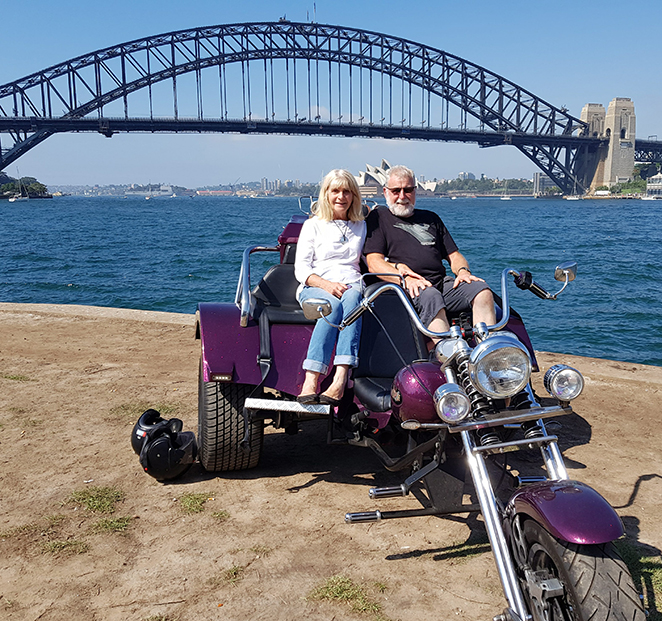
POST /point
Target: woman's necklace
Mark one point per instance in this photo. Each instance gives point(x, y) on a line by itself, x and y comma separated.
point(344, 239)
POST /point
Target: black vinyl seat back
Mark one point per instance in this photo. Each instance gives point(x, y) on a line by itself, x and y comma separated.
point(379, 362)
point(276, 295)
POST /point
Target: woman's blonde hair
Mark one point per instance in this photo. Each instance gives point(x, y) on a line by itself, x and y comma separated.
point(344, 179)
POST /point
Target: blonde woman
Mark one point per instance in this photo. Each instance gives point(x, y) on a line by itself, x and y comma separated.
point(327, 266)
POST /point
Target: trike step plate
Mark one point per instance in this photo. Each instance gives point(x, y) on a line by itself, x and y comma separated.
point(277, 405)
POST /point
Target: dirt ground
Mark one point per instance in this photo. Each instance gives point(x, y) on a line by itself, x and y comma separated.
point(73, 380)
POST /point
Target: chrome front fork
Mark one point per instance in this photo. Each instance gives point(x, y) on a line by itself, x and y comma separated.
point(495, 532)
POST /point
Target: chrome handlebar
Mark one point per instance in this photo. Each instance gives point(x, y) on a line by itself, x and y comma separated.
point(406, 302)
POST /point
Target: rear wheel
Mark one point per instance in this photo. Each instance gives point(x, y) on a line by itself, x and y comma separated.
point(596, 583)
point(221, 427)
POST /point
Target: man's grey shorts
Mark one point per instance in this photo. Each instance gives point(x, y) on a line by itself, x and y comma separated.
point(430, 301)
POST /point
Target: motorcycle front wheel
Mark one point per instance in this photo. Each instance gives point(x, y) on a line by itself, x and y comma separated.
point(596, 582)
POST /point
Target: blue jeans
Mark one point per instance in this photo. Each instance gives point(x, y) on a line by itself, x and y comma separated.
point(325, 337)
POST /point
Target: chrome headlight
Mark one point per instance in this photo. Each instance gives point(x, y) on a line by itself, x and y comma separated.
point(563, 382)
point(500, 366)
point(451, 403)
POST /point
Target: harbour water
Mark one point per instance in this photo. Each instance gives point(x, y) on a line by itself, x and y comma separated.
point(168, 254)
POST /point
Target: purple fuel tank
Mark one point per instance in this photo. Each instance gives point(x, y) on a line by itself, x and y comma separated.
point(413, 387)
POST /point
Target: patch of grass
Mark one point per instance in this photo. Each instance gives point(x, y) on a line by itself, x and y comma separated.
point(112, 525)
point(132, 411)
point(30, 422)
point(343, 589)
point(17, 378)
point(16, 531)
point(221, 516)
point(646, 570)
point(69, 546)
point(55, 520)
point(98, 499)
point(261, 550)
point(234, 574)
point(193, 502)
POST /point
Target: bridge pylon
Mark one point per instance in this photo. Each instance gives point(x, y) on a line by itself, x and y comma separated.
point(615, 160)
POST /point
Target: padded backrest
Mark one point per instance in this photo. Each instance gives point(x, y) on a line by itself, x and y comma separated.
point(377, 358)
point(278, 287)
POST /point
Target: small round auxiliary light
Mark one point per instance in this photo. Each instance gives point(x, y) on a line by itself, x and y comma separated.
point(563, 382)
point(452, 405)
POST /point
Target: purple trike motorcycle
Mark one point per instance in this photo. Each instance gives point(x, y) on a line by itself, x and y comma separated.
point(448, 420)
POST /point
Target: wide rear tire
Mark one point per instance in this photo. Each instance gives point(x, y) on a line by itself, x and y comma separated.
point(221, 427)
point(597, 583)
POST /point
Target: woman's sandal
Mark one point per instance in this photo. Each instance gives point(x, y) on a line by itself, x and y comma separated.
point(326, 400)
point(308, 399)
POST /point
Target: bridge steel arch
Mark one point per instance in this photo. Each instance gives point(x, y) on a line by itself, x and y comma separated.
point(293, 78)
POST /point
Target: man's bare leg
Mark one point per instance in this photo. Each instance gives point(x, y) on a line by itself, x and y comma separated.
point(483, 308)
point(439, 324)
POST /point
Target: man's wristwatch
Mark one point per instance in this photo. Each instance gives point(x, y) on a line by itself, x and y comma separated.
point(459, 269)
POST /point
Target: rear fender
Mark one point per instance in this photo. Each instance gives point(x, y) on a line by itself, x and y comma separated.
point(569, 510)
point(231, 352)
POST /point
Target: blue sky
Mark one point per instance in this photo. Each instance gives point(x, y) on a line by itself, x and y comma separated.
point(569, 52)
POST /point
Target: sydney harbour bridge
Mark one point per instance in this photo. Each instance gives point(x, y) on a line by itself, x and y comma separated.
point(297, 78)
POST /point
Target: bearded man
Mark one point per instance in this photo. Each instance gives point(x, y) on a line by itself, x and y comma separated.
point(413, 243)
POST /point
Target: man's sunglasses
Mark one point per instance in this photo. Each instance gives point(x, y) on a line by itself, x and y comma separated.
point(396, 191)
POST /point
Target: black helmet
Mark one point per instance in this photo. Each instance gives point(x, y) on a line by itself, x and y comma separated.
point(147, 421)
point(166, 451)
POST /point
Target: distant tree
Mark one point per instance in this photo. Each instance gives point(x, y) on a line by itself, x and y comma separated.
point(645, 171)
point(36, 188)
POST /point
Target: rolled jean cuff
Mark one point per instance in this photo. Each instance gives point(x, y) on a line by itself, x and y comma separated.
point(351, 361)
point(316, 366)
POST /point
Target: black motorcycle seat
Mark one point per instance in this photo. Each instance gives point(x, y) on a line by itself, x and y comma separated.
point(374, 392)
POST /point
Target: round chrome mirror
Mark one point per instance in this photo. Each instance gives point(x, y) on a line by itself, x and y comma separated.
point(568, 268)
point(314, 308)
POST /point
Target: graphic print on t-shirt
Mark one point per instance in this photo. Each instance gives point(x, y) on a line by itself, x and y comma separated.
point(419, 231)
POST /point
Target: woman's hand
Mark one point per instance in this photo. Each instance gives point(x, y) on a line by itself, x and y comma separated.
point(334, 288)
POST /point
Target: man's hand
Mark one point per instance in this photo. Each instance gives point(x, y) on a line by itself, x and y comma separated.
point(414, 283)
point(465, 276)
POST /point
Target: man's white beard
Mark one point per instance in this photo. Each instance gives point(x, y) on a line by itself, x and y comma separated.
point(402, 211)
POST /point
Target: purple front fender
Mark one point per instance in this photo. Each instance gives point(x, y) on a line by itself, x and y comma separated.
point(569, 510)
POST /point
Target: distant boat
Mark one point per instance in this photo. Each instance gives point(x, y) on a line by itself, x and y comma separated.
point(505, 197)
point(643, 198)
point(572, 198)
point(19, 196)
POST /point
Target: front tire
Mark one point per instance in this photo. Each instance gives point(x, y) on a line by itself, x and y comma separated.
point(221, 427)
point(596, 582)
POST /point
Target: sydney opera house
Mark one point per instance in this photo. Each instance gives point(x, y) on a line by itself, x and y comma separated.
point(372, 180)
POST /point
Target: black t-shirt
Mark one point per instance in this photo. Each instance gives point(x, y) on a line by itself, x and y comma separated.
point(420, 241)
